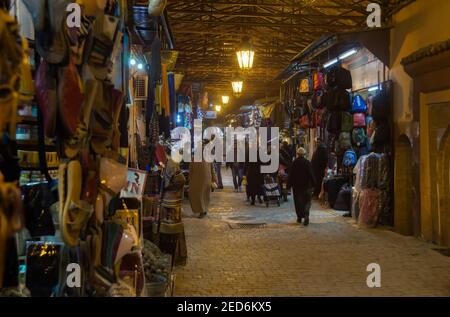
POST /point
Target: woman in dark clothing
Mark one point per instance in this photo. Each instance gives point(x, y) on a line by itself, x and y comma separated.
point(255, 181)
point(301, 179)
point(319, 162)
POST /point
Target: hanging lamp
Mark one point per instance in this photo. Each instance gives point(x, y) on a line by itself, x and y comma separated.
point(246, 54)
point(225, 100)
point(238, 84)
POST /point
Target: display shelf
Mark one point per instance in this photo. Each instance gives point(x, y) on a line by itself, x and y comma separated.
point(34, 168)
point(33, 143)
point(27, 119)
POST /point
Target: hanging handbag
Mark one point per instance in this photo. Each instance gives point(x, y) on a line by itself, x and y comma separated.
point(37, 200)
point(305, 122)
point(317, 101)
point(359, 136)
point(359, 105)
point(318, 80)
point(344, 100)
point(346, 122)
point(317, 118)
point(43, 260)
point(305, 85)
point(334, 122)
point(70, 98)
point(359, 120)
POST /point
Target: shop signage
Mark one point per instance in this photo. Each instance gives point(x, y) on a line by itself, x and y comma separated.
point(210, 115)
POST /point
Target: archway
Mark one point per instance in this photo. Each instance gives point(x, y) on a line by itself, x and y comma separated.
point(403, 187)
point(443, 172)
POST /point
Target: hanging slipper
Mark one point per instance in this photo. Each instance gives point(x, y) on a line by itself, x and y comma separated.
point(62, 183)
point(76, 212)
point(8, 101)
point(46, 96)
point(90, 176)
point(73, 145)
point(105, 118)
point(70, 99)
point(113, 177)
point(106, 30)
point(49, 19)
point(10, 217)
point(93, 8)
point(94, 242)
point(127, 241)
point(26, 90)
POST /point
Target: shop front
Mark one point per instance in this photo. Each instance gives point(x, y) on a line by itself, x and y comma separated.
point(88, 190)
point(338, 96)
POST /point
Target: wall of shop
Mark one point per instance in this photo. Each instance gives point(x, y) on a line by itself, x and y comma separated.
point(417, 25)
point(422, 116)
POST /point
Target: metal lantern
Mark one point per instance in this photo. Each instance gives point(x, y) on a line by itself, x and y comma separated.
point(246, 54)
point(238, 84)
point(225, 100)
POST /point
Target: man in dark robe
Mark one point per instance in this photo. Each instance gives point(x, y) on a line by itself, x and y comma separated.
point(301, 180)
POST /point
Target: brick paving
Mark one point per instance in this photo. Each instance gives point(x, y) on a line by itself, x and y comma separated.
point(328, 258)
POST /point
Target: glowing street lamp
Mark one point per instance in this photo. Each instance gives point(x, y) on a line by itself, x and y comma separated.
point(225, 100)
point(246, 54)
point(218, 108)
point(238, 84)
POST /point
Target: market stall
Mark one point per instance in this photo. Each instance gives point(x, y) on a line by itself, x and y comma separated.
point(86, 133)
point(338, 97)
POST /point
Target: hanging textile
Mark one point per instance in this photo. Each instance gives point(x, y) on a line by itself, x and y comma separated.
point(165, 98)
point(156, 60)
point(172, 97)
point(150, 106)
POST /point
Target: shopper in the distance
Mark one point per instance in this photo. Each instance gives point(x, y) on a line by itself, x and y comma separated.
point(301, 180)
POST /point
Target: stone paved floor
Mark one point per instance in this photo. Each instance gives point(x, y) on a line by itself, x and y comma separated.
point(328, 258)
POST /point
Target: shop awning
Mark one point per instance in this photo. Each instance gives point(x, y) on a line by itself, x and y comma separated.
point(376, 41)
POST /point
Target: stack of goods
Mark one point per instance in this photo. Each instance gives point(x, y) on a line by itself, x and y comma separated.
point(371, 199)
point(309, 107)
point(157, 266)
point(80, 108)
point(339, 118)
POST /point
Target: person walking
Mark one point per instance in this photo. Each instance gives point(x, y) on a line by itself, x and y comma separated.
point(201, 178)
point(255, 181)
point(301, 180)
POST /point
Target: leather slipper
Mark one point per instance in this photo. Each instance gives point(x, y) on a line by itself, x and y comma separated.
point(73, 145)
point(76, 212)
